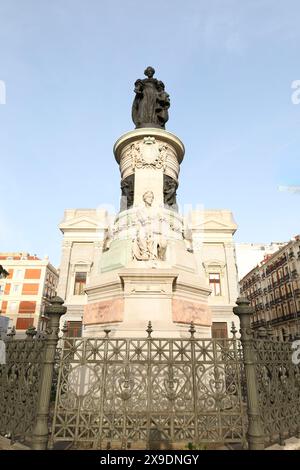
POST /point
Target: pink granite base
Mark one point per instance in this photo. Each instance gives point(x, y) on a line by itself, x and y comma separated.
point(184, 311)
point(108, 311)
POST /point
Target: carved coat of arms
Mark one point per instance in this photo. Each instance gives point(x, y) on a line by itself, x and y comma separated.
point(148, 154)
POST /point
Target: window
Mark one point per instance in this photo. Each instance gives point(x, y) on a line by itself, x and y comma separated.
point(215, 283)
point(27, 306)
point(13, 307)
point(74, 329)
point(30, 289)
point(18, 274)
point(7, 289)
point(219, 330)
point(80, 283)
point(15, 288)
point(24, 323)
point(32, 274)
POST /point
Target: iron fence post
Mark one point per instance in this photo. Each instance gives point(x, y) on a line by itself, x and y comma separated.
point(255, 432)
point(40, 430)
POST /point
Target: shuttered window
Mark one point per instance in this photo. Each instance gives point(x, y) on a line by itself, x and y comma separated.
point(32, 274)
point(27, 307)
point(24, 323)
point(30, 289)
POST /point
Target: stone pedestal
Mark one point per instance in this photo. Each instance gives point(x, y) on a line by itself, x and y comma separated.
point(148, 272)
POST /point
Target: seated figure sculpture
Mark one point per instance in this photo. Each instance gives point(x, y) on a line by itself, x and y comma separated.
point(148, 243)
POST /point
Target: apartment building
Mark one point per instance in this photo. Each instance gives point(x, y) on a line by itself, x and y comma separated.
point(273, 287)
point(27, 288)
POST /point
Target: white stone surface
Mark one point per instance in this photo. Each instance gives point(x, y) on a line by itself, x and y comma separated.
point(212, 241)
point(84, 232)
point(213, 244)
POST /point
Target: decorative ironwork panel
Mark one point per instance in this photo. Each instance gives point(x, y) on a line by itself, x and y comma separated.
point(121, 392)
point(279, 389)
point(19, 387)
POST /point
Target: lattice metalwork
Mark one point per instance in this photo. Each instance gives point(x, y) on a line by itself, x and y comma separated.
point(279, 389)
point(115, 392)
point(19, 387)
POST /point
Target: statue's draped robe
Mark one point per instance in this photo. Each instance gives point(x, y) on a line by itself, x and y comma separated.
point(145, 103)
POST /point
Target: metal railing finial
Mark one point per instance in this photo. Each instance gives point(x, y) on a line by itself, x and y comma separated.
point(149, 329)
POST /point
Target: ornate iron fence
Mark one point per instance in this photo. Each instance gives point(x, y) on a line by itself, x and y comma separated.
point(272, 383)
point(149, 393)
point(20, 380)
point(25, 382)
point(278, 382)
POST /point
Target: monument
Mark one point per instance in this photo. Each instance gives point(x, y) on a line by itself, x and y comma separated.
point(148, 271)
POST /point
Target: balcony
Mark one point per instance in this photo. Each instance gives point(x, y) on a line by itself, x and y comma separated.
point(294, 274)
point(279, 319)
point(285, 318)
point(258, 323)
point(297, 293)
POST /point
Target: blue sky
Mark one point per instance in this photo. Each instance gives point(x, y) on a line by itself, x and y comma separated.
point(69, 68)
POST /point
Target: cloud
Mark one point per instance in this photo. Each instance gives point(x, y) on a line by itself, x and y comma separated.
point(234, 26)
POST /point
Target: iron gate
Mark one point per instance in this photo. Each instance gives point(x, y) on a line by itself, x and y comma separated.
point(149, 393)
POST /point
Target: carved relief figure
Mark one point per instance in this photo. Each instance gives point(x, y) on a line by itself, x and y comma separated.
point(148, 245)
point(163, 104)
point(127, 189)
point(170, 188)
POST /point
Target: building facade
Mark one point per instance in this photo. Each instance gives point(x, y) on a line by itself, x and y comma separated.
point(30, 283)
point(209, 234)
point(273, 288)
